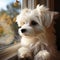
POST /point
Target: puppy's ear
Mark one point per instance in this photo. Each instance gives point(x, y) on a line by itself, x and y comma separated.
point(48, 18)
point(45, 15)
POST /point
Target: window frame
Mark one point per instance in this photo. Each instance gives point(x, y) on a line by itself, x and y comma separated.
point(27, 4)
point(33, 3)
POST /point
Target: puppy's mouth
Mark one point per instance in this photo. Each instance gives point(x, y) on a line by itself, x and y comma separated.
point(25, 34)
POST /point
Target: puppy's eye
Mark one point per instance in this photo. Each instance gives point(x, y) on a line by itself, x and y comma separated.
point(33, 23)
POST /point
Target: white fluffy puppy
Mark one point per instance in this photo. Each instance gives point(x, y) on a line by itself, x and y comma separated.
point(37, 32)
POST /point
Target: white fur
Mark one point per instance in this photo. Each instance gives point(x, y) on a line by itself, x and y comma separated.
point(38, 39)
point(24, 50)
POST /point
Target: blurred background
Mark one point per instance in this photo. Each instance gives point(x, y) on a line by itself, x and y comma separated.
point(9, 9)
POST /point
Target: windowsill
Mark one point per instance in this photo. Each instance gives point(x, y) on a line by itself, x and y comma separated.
point(9, 52)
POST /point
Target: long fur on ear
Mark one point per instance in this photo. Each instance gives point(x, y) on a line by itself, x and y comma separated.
point(41, 8)
point(45, 15)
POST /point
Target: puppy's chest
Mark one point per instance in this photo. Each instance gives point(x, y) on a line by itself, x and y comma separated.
point(28, 42)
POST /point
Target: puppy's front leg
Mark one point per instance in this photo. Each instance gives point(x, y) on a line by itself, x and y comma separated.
point(24, 53)
point(42, 55)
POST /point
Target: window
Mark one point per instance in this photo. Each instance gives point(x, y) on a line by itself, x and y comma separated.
point(33, 3)
point(27, 4)
point(8, 27)
point(9, 37)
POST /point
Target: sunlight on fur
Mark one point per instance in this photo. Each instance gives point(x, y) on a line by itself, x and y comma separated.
point(37, 34)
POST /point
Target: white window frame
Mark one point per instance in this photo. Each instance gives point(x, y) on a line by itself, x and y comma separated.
point(32, 4)
point(27, 4)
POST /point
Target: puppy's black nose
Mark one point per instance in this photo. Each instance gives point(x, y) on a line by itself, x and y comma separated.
point(23, 30)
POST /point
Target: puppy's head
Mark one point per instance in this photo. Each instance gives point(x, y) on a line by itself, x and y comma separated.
point(34, 22)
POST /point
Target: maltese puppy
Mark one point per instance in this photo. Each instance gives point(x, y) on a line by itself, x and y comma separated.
point(37, 34)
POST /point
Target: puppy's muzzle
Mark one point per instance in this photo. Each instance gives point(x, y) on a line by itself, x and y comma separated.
point(23, 30)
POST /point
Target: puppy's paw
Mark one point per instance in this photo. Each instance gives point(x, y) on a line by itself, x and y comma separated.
point(26, 58)
point(42, 55)
point(24, 52)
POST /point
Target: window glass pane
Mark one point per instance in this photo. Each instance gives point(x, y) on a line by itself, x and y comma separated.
point(8, 27)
